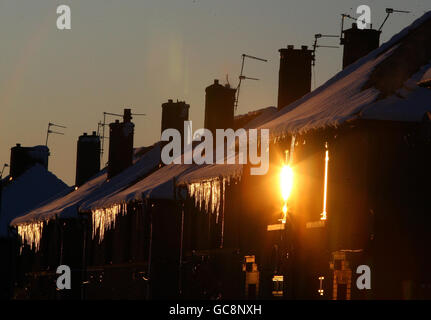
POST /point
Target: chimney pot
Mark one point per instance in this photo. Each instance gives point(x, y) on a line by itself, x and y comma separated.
point(87, 157)
point(219, 107)
point(23, 158)
point(358, 43)
point(127, 115)
point(294, 74)
point(174, 114)
point(120, 144)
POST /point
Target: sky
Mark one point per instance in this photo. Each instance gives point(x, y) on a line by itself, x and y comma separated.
point(140, 53)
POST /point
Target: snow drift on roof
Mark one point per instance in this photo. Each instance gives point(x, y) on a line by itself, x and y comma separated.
point(29, 190)
point(264, 116)
point(158, 185)
point(97, 187)
point(64, 206)
point(368, 87)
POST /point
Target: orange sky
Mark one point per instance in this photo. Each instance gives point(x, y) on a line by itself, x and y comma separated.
point(142, 53)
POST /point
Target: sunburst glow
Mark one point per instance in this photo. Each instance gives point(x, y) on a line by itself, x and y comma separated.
point(286, 182)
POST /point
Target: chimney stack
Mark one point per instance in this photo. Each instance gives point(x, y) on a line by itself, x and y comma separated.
point(294, 78)
point(87, 157)
point(174, 114)
point(120, 144)
point(23, 158)
point(219, 107)
point(358, 43)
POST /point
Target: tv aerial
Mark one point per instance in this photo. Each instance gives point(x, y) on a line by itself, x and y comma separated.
point(316, 45)
point(50, 131)
point(2, 170)
point(243, 77)
point(348, 16)
point(389, 11)
point(318, 36)
point(101, 127)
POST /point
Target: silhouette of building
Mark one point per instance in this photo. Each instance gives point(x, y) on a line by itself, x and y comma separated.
point(87, 157)
point(358, 43)
point(219, 107)
point(120, 144)
point(294, 77)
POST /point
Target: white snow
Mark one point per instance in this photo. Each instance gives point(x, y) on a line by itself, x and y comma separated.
point(342, 98)
point(158, 185)
point(207, 192)
point(65, 206)
point(32, 188)
point(426, 75)
point(148, 162)
point(98, 186)
point(211, 171)
point(410, 103)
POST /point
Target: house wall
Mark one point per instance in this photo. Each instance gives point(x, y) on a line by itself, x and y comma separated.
point(376, 205)
point(376, 212)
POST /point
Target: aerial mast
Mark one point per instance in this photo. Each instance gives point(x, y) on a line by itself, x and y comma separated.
point(243, 77)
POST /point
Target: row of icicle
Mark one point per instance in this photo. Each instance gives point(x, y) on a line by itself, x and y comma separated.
point(208, 196)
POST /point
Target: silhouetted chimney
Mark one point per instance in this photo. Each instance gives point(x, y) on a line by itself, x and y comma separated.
point(219, 107)
point(294, 77)
point(23, 158)
point(174, 114)
point(358, 43)
point(87, 157)
point(120, 144)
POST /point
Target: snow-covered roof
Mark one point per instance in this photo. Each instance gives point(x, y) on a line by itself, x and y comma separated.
point(65, 206)
point(381, 85)
point(96, 188)
point(32, 188)
point(264, 116)
point(158, 185)
point(211, 171)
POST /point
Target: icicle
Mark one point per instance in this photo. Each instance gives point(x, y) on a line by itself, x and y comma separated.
point(207, 195)
point(31, 234)
point(104, 219)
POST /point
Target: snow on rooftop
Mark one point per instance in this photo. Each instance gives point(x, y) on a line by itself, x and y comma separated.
point(264, 116)
point(158, 185)
point(410, 102)
point(65, 206)
point(426, 75)
point(33, 187)
point(149, 161)
point(30, 225)
point(97, 187)
point(368, 88)
point(161, 185)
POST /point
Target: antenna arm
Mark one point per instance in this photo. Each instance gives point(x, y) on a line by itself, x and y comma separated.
point(384, 21)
